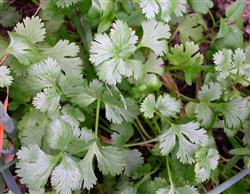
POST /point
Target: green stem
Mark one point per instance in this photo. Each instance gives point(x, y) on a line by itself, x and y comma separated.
point(188, 99)
point(156, 125)
point(80, 30)
point(140, 143)
point(212, 17)
point(181, 67)
point(142, 129)
point(97, 116)
point(169, 173)
point(138, 184)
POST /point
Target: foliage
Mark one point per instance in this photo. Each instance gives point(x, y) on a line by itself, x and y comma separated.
point(125, 96)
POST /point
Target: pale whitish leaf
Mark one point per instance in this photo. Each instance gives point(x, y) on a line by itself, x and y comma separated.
point(59, 134)
point(65, 3)
point(73, 112)
point(47, 101)
point(133, 159)
point(171, 9)
point(86, 165)
point(155, 35)
point(223, 62)
point(179, 190)
point(206, 160)
point(189, 136)
point(66, 177)
point(32, 127)
point(128, 190)
point(44, 74)
point(148, 106)
point(32, 29)
point(110, 159)
point(116, 113)
point(150, 8)
point(204, 114)
point(5, 78)
point(154, 64)
point(167, 105)
point(110, 53)
point(235, 112)
point(210, 92)
point(21, 49)
point(34, 166)
point(65, 53)
point(122, 134)
point(230, 63)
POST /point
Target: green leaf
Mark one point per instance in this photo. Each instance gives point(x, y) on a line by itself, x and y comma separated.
point(34, 166)
point(59, 134)
point(32, 29)
point(229, 36)
point(65, 53)
point(166, 105)
point(67, 176)
point(148, 106)
point(133, 159)
point(76, 89)
point(235, 112)
point(117, 113)
point(204, 114)
point(110, 54)
point(121, 134)
point(8, 15)
point(150, 8)
point(189, 136)
point(206, 160)
point(210, 92)
point(240, 151)
point(65, 3)
point(47, 101)
point(170, 9)
point(44, 74)
point(179, 190)
point(5, 78)
point(110, 161)
point(32, 127)
point(155, 35)
point(188, 56)
point(192, 28)
point(201, 6)
point(235, 12)
point(232, 64)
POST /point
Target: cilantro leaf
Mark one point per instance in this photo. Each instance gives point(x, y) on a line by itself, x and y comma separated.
point(5, 78)
point(59, 134)
point(47, 101)
point(34, 166)
point(190, 137)
point(179, 190)
point(155, 35)
point(150, 8)
point(166, 105)
point(66, 177)
point(31, 128)
point(188, 55)
point(206, 160)
point(210, 92)
point(110, 53)
point(65, 3)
